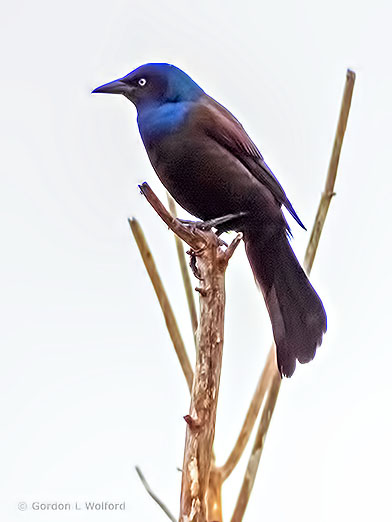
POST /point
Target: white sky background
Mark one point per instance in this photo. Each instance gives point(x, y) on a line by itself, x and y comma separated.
point(90, 385)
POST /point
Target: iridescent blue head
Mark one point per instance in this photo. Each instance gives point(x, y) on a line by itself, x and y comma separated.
point(154, 84)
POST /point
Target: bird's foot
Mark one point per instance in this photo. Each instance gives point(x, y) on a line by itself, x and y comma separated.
point(208, 225)
point(212, 223)
point(203, 226)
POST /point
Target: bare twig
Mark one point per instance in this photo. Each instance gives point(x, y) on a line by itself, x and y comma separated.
point(153, 495)
point(163, 299)
point(184, 271)
point(321, 215)
point(251, 416)
point(257, 449)
point(332, 171)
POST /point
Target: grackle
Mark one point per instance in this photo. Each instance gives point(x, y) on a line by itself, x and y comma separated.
point(211, 167)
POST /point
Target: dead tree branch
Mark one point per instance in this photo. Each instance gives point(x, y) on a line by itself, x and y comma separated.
point(163, 299)
point(212, 261)
point(253, 464)
point(251, 416)
point(332, 172)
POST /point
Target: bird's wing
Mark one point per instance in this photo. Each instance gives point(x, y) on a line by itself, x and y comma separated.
point(223, 127)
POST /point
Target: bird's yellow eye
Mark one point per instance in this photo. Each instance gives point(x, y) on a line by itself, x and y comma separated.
point(142, 82)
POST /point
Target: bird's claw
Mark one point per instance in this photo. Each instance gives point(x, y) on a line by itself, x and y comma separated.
point(212, 223)
point(200, 225)
point(208, 225)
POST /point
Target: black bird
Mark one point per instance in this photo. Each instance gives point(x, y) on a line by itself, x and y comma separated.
point(211, 167)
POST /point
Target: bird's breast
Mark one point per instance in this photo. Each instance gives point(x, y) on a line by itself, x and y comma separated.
point(202, 176)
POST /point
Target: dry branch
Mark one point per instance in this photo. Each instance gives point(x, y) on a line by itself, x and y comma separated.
point(163, 299)
point(321, 215)
point(251, 416)
point(253, 464)
point(332, 171)
point(202, 413)
point(153, 495)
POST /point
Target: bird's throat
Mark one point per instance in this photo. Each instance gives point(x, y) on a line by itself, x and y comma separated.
point(160, 121)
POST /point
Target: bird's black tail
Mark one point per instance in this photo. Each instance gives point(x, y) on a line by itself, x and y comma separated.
point(296, 311)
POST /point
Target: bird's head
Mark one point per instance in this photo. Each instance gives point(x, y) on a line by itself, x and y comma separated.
point(154, 83)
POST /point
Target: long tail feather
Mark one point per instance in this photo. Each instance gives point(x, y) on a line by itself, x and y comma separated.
point(296, 311)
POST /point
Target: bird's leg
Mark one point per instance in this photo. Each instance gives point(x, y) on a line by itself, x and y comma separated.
point(212, 223)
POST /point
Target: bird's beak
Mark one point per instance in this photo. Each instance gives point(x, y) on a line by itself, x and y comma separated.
point(116, 87)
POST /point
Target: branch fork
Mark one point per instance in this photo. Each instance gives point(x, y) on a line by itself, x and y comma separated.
point(212, 260)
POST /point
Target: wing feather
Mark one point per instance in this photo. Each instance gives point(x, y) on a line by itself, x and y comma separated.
point(219, 124)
